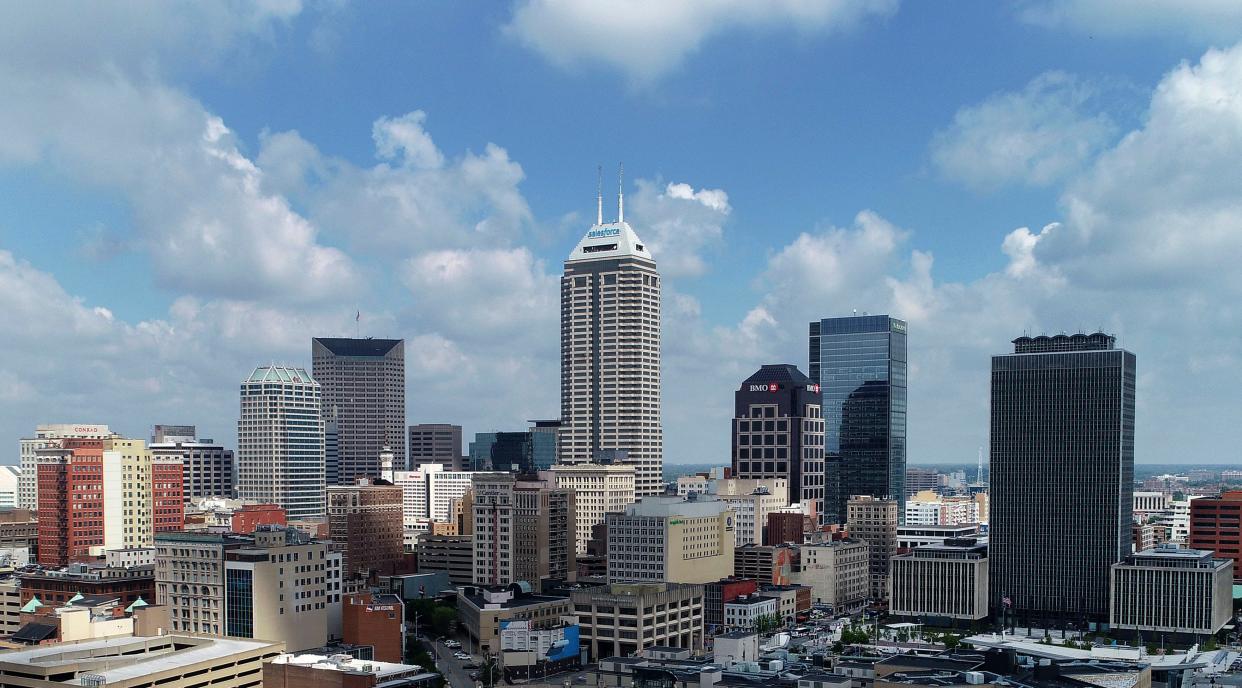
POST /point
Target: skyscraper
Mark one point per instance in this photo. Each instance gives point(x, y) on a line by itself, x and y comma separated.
point(860, 365)
point(778, 431)
point(610, 351)
point(436, 443)
point(280, 441)
point(208, 466)
point(363, 380)
point(1062, 475)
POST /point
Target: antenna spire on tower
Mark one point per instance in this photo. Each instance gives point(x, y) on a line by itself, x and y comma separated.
point(621, 193)
point(599, 195)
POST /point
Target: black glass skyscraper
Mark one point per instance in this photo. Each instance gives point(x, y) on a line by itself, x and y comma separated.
point(1062, 476)
point(860, 364)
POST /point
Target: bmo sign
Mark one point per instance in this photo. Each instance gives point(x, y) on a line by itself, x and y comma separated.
point(773, 387)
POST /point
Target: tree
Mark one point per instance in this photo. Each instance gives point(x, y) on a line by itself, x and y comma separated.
point(951, 641)
point(489, 672)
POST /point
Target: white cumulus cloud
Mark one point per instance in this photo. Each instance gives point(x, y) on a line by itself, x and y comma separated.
point(645, 39)
point(1037, 136)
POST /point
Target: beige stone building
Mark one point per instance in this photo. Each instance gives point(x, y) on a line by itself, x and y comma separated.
point(874, 521)
point(523, 531)
point(622, 619)
point(667, 539)
point(948, 580)
point(276, 585)
point(837, 572)
point(600, 489)
point(480, 611)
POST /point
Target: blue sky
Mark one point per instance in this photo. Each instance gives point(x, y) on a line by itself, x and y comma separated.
point(187, 191)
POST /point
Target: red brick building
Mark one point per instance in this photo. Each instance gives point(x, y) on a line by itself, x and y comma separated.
point(58, 587)
point(375, 620)
point(81, 515)
point(1216, 524)
point(717, 593)
point(71, 473)
point(250, 516)
point(367, 517)
point(784, 527)
point(167, 496)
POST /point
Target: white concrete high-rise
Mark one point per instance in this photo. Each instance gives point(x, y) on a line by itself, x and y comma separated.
point(600, 490)
point(610, 352)
point(280, 441)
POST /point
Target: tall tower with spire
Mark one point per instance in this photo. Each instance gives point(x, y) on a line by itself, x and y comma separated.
point(610, 351)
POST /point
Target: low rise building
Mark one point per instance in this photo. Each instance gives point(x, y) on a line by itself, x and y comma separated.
point(375, 620)
point(168, 661)
point(276, 583)
point(717, 593)
point(10, 605)
point(623, 619)
point(948, 580)
point(837, 572)
point(791, 600)
point(94, 579)
point(343, 671)
point(527, 652)
point(745, 613)
point(480, 611)
point(768, 564)
point(1170, 589)
point(909, 536)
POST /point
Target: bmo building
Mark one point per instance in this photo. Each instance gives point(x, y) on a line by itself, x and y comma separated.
point(778, 431)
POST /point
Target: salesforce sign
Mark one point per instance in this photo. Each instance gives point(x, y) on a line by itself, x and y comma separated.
point(604, 233)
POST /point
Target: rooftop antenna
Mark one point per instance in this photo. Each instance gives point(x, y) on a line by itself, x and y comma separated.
point(621, 193)
point(599, 195)
point(979, 470)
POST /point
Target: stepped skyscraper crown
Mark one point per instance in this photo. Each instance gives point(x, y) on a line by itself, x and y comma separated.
point(610, 352)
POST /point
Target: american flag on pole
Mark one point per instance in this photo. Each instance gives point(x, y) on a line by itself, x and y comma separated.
point(357, 316)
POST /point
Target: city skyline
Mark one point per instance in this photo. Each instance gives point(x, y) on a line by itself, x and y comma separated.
point(974, 198)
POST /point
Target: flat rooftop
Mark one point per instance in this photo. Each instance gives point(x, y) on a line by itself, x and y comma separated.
point(382, 670)
point(126, 658)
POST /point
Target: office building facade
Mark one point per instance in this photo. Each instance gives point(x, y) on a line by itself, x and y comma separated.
point(47, 436)
point(280, 441)
point(778, 432)
point(1216, 524)
point(276, 583)
point(667, 539)
point(860, 364)
point(838, 572)
point(1169, 589)
point(610, 353)
point(523, 453)
point(436, 443)
point(207, 467)
point(1062, 461)
point(874, 521)
point(96, 495)
point(599, 490)
point(363, 382)
point(948, 581)
point(621, 620)
point(523, 531)
point(365, 518)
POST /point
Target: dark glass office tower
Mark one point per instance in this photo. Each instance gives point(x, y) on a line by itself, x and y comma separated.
point(1062, 477)
point(778, 431)
point(860, 364)
point(363, 381)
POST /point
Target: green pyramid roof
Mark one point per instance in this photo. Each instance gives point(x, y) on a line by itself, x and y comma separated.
point(32, 605)
point(136, 604)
